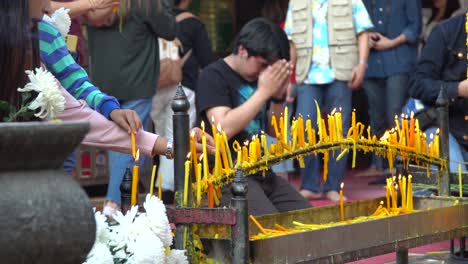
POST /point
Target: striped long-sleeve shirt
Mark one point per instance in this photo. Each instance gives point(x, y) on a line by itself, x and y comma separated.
point(73, 77)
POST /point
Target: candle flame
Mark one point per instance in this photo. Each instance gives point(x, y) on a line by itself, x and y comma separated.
point(201, 157)
point(212, 119)
point(396, 117)
point(437, 131)
point(381, 202)
point(342, 185)
point(246, 143)
point(410, 176)
point(219, 127)
point(137, 155)
point(412, 114)
point(431, 136)
point(333, 111)
point(399, 176)
point(396, 186)
point(192, 134)
point(189, 155)
point(203, 125)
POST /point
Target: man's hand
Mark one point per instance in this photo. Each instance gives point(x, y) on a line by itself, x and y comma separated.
point(126, 119)
point(357, 76)
point(274, 79)
point(383, 43)
point(210, 144)
point(463, 89)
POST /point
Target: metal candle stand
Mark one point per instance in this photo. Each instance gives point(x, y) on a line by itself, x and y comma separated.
point(237, 215)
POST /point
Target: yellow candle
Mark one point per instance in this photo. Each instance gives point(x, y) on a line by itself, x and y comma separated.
point(294, 134)
point(275, 125)
point(286, 125)
point(238, 149)
point(245, 155)
point(193, 150)
point(397, 126)
point(387, 194)
point(417, 136)
point(134, 198)
point(338, 126)
point(331, 128)
point(300, 132)
point(252, 151)
point(132, 139)
point(264, 145)
point(160, 186)
point(258, 148)
point(210, 195)
point(281, 128)
point(205, 154)
point(403, 193)
point(320, 123)
point(228, 149)
point(405, 132)
point(217, 155)
point(198, 175)
point(341, 203)
point(460, 183)
point(436, 144)
point(411, 130)
point(409, 198)
point(309, 132)
point(153, 173)
point(186, 182)
point(353, 124)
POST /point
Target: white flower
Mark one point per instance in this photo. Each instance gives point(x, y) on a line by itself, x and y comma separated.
point(102, 232)
point(177, 257)
point(158, 222)
point(120, 233)
point(148, 249)
point(99, 254)
point(60, 20)
point(49, 100)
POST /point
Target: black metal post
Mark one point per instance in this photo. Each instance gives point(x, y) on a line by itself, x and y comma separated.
point(180, 125)
point(126, 191)
point(240, 231)
point(402, 255)
point(462, 247)
point(442, 118)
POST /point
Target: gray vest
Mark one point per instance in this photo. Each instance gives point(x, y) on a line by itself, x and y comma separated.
point(342, 38)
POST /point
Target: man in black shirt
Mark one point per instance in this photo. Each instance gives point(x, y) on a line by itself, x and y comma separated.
point(241, 92)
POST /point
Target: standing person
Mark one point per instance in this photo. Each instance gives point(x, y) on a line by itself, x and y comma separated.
point(440, 10)
point(241, 92)
point(194, 37)
point(443, 65)
point(125, 62)
point(393, 53)
point(332, 48)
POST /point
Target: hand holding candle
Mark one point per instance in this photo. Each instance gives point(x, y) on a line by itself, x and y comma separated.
point(134, 198)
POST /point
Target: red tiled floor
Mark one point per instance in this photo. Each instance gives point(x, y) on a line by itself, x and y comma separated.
point(357, 188)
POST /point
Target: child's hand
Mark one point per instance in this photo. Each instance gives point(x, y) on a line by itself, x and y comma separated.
point(126, 119)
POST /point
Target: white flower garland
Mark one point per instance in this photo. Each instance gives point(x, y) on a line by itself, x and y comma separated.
point(138, 238)
point(60, 20)
point(49, 101)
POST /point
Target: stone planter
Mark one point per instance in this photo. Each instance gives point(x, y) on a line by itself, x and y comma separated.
point(45, 216)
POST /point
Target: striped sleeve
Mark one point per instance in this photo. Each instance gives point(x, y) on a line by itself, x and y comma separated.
point(73, 77)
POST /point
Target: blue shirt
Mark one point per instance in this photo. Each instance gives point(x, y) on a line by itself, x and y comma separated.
point(320, 71)
point(392, 18)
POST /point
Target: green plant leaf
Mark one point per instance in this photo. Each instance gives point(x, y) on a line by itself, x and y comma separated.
point(4, 106)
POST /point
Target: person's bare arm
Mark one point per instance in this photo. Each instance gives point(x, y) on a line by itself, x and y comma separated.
point(82, 7)
point(360, 69)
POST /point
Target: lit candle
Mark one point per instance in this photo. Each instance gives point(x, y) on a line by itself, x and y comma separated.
point(198, 184)
point(405, 131)
point(132, 139)
point(223, 147)
point(397, 125)
point(436, 143)
point(460, 183)
point(213, 127)
point(341, 203)
point(353, 124)
point(205, 154)
point(252, 150)
point(320, 123)
point(193, 150)
point(160, 186)
point(228, 149)
point(238, 150)
point(258, 148)
point(417, 136)
point(245, 155)
point(387, 194)
point(153, 174)
point(281, 128)
point(264, 145)
point(186, 180)
point(411, 130)
point(300, 132)
point(338, 125)
point(286, 125)
point(294, 134)
point(403, 193)
point(134, 199)
point(331, 128)
point(409, 195)
point(309, 132)
point(217, 164)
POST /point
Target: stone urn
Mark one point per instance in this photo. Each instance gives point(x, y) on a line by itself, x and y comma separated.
point(45, 216)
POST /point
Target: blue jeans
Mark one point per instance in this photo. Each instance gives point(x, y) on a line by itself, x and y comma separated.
point(118, 162)
point(329, 96)
point(386, 98)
